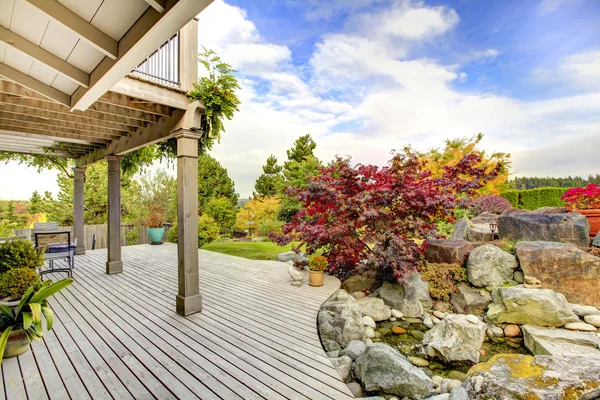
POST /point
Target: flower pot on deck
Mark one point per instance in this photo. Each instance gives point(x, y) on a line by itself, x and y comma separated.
point(315, 278)
point(17, 344)
point(593, 217)
point(156, 235)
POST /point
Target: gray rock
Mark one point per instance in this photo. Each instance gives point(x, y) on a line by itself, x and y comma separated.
point(456, 338)
point(333, 354)
point(343, 366)
point(291, 256)
point(459, 393)
point(564, 268)
point(571, 228)
point(580, 326)
point(480, 233)
point(460, 229)
point(515, 376)
point(340, 321)
point(550, 210)
point(382, 368)
point(559, 342)
point(593, 320)
point(582, 311)
point(485, 218)
point(374, 308)
point(354, 349)
point(444, 251)
point(427, 321)
point(596, 240)
point(490, 266)
point(519, 277)
point(368, 321)
point(360, 283)
point(355, 389)
point(542, 307)
point(470, 300)
point(443, 396)
point(411, 298)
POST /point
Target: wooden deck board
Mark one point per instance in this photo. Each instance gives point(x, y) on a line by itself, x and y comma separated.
point(118, 336)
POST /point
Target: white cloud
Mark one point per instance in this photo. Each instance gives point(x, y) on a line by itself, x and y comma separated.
point(583, 68)
point(478, 55)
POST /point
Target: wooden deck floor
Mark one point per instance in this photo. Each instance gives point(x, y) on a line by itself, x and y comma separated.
point(119, 337)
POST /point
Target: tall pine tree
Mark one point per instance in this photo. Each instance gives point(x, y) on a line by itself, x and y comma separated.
point(270, 182)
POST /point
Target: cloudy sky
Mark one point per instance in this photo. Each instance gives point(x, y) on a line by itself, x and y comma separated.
point(364, 77)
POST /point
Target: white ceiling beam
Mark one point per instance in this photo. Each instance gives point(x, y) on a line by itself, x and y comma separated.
point(45, 57)
point(35, 85)
point(86, 31)
point(156, 5)
point(149, 32)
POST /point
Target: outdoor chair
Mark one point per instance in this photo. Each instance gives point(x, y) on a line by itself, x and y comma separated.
point(56, 247)
point(42, 227)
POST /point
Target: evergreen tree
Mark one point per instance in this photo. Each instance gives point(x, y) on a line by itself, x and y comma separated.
point(35, 203)
point(213, 182)
point(271, 181)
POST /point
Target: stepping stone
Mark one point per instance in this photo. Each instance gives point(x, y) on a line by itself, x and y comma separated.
point(561, 342)
point(580, 326)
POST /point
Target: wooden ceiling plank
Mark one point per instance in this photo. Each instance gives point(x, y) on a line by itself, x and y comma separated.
point(25, 134)
point(44, 90)
point(44, 56)
point(134, 104)
point(51, 131)
point(156, 5)
point(32, 151)
point(31, 123)
point(82, 28)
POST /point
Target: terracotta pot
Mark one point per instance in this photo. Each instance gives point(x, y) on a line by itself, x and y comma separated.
point(315, 278)
point(593, 217)
point(17, 344)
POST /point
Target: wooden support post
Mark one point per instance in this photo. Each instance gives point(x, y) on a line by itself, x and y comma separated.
point(114, 265)
point(78, 186)
point(189, 300)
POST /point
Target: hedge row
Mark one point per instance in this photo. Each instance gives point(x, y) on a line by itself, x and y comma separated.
point(532, 199)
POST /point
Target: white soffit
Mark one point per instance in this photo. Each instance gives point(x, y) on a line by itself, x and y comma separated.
point(2, 51)
point(18, 60)
point(65, 85)
point(85, 9)
point(115, 17)
point(28, 22)
point(6, 9)
point(59, 41)
point(42, 73)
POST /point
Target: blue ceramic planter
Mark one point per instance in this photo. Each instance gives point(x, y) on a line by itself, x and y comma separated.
point(156, 235)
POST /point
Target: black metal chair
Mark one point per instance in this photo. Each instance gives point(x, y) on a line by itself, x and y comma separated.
point(59, 244)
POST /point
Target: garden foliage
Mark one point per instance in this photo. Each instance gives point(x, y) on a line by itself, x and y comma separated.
point(587, 198)
point(208, 231)
point(19, 254)
point(256, 212)
point(365, 216)
point(532, 199)
point(443, 279)
point(490, 203)
point(223, 212)
point(15, 282)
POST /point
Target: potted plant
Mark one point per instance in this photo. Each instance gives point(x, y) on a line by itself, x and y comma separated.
point(19, 263)
point(316, 266)
point(155, 222)
point(23, 323)
point(585, 201)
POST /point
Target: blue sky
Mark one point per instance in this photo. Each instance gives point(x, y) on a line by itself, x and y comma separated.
point(364, 77)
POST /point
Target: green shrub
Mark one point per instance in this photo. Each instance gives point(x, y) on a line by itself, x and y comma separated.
point(15, 282)
point(172, 234)
point(223, 212)
point(208, 230)
point(132, 236)
point(443, 279)
point(19, 254)
point(270, 227)
point(532, 199)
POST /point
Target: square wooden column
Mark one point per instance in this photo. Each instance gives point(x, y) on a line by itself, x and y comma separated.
point(114, 265)
point(188, 300)
point(78, 186)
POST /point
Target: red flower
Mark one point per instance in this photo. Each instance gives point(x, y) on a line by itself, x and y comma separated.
point(587, 198)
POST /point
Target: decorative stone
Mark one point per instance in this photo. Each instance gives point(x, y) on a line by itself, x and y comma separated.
point(542, 307)
point(355, 389)
point(564, 268)
point(457, 375)
point(512, 330)
point(343, 365)
point(531, 282)
point(560, 342)
point(291, 256)
point(427, 321)
point(397, 314)
point(485, 218)
point(593, 320)
point(469, 300)
point(444, 251)
point(368, 321)
point(458, 393)
point(571, 228)
point(418, 361)
point(360, 283)
point(519, 277)
point(384, 331)
point(340, 321)
point(382, 368)
point(490, 266)
point(580, 326)
point(473, 319)
point(460, 229)
point(456, 338)
point(582, 311)
point(333, 354)
point(369, 332)
point(374, 308)
point(296, 275)
point(359, 295)
point(354, 349)
point(435, 320)
point(410, 298)
point(596, 240)
point(439, 314)
point(398, 330)
point(516, 376)
point(480, 233)
point(417, 334)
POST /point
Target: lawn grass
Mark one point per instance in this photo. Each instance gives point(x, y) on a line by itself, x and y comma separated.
point(251, 250)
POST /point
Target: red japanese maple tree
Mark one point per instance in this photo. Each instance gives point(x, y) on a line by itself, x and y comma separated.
point(365, 216)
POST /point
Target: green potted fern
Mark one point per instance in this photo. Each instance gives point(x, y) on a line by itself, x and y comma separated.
point(24, 322)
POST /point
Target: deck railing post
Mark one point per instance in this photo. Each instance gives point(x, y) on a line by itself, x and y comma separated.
point(188, 300)
point(114, 265)
point(78, 189)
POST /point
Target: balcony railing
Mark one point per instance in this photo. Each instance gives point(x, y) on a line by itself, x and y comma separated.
point(162, 66)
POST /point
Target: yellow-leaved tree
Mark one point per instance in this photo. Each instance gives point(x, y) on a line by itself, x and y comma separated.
point(436, 159)
point(259, 215)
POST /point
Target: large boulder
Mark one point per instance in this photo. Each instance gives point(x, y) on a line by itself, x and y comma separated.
point(596, 240)
point(560, 342)
point(470, 300)
point(374, 308)
point(564, 268)
point(411, 297)
point(490, 266)
point(343, 366)
point(460, 229)
point(571, 228)
point(382, 368)
point(551, 210)
point(340, 321)
point(485, 218)
point(443, 251)
point(360, 283)
point(292, 256)
point(456, 338)
point(516, 376)
point(541, 307)
point(480, 233)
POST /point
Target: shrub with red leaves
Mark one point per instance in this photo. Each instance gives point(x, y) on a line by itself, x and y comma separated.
point(490, 203)
point(587, 198)
point(365, 216)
